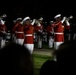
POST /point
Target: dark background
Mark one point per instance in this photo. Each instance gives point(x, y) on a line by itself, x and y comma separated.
point(36, 8)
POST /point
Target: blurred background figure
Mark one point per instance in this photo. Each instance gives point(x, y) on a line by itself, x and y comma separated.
point(3, 31)
point(66, 57)
point(18, 33)
point(50, 31)
point(67, 29)
point(39, 30)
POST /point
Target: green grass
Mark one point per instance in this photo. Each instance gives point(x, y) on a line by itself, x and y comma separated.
point(38, 62)
point(40, 59)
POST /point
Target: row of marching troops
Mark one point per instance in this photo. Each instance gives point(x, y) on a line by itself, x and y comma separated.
point(24, 30)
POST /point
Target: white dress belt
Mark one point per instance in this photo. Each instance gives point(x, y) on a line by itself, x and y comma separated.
point(28, 35)
point(19, 32)
point(58, 33)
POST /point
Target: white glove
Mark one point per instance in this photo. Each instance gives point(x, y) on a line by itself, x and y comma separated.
point(34, 20)
point(2, 22)
point(38, 24)
point(64, 18)
point(71, 17)
point(21, 23)
point(67, 22)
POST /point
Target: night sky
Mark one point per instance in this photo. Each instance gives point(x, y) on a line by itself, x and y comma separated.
point(36, 8)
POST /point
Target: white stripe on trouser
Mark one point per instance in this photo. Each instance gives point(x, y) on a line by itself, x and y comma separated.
point(51, 41)
point(74, 37)
point(39, 42)
point(2, 43)
point(20, 41)
point(14, 38)
point(57, 44)
point(30, 47)
point(68, 35)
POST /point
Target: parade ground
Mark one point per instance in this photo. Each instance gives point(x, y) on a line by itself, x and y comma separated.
point(40, 57)
point(47, 52)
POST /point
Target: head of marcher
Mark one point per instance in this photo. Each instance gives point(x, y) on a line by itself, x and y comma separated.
point(58, 18)
point(26, 20)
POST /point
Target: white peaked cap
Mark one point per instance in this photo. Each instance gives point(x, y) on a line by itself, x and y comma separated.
point(51, 21)
point(18, 19)
point(4, 15)
point(26, 18)
point(59, 15)
point(40, 18)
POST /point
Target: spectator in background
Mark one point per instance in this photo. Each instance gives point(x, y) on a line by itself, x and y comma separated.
point(3, 33)
point(15, 59)
point(48, 68)
point(50, 31)
point(66, 57)
point(39, 28)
